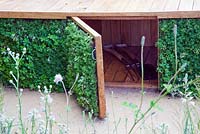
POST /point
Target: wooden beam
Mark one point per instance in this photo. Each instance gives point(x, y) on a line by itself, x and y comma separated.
point(62, 15)
point(100, 75)
point(119, 17)
point(148, 84)
point(99, 59)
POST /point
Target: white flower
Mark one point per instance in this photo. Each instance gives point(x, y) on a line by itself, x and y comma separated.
point(58, 78)
point(24, 50)
point(39, 87)
point(8, 49)
point(11, 72)
point(21, 90)
point(13, 53)
point(50, 86)
point(17, 56)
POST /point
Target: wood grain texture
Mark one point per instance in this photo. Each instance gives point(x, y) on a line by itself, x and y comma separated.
point(158, 5)
point(100, 77)
point(196, 5)
point(172, 5)
point(147, 84)
point(125, 32)
point(59, 9)
point(186, 5)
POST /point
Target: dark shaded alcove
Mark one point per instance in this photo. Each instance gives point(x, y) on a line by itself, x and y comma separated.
point(122, 51)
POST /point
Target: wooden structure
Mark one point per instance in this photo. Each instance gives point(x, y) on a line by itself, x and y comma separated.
point(110, 22)
point(59, 9)
point(123, 37)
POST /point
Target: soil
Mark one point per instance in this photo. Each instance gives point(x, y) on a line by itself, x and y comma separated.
point(169, 111)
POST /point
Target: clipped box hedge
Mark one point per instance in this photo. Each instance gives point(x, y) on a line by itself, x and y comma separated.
point(53, 46)
point(188, 48)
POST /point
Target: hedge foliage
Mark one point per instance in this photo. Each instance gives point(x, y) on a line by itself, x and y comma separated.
point(188, 48)
point(53, 46)
point(80, 61)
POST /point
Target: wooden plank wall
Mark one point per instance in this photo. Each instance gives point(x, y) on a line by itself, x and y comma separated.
point(126, 32)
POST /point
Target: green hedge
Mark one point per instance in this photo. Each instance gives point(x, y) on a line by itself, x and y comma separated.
point(188, 47)
point(80, 61)
point(53, 46)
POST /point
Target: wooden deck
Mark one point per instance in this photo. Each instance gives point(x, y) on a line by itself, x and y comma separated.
point(59, 9)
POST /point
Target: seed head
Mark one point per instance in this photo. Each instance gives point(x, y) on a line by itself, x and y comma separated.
point(142, 41)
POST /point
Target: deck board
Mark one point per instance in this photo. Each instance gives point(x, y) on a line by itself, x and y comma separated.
point(145, 7)
point(172, 5)
point(158, 5)
point(186, 5)
point(196, 5)
point(59, 9)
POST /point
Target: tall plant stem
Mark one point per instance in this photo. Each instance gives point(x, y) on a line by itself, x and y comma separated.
point(19, 99)
point(67, 99)
point(142, 81)
point(175, 51)
point(165, 92)
point(113, 112)
point(68, 96)
point(46, 116)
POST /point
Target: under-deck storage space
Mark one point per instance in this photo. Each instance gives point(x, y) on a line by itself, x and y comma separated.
point(122, 51)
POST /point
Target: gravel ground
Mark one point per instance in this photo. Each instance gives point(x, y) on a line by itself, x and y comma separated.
point(169, 111)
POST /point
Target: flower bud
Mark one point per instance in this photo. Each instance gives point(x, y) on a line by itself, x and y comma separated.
point(58, 78)
point(11, 72)
point(24, 50)
point(175, 30)
point(142, 41)
point(21, 90)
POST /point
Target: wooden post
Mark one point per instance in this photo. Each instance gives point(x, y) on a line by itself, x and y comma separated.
point(99, 59)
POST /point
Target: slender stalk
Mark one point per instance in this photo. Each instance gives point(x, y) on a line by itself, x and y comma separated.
point(46, 116)
point(142, 69)
point(159, 98)
point(67, 98)
point(115, 123)
point(50, 127)
point(33, 125)
point(19, 99)
point(1, 96)
point(175, 51)
point(142, 82)
point(126, 126)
